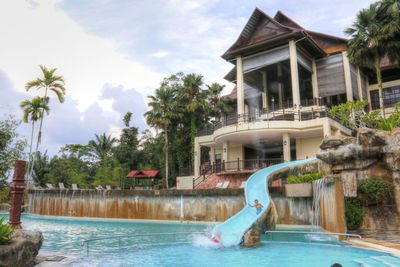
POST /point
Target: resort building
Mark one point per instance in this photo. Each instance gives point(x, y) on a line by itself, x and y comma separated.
point(286, 79)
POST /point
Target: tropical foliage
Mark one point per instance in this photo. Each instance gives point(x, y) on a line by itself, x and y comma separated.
point(375, 189)
point(354, 213)
point(11, 148)
point(374, 35)
point(6, 231)
point(305, 178)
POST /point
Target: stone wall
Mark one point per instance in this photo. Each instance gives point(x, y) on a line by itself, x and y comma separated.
point(191, 205)
point(371, 154)
point(198, 205)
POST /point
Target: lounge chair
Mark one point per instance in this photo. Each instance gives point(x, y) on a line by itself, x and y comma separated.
point(50, 186)
point(108, 187)
point(225, 185)
point(219, 185)
point(243, 184)
point(75, 187)
point(61, 186)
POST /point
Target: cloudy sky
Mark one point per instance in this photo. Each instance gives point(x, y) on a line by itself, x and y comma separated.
point(114, 53)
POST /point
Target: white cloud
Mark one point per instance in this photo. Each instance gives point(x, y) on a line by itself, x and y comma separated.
point(160, 54)
point(44, 34)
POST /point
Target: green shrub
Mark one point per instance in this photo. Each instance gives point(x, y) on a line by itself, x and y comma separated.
point(354, 213)
point(375, 190)
point(303, 179)
point(5, 232)
point(4, 195)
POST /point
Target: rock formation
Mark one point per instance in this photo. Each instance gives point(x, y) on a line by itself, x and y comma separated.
point(22, 250)
point(371, 154)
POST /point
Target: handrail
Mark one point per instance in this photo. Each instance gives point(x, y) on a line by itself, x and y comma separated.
point(316, 233)
point(132, 235)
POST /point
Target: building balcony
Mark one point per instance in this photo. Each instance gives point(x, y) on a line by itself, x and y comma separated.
point(284, 115)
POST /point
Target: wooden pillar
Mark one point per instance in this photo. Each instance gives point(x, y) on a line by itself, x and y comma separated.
point(294, 73)
point(17, 189)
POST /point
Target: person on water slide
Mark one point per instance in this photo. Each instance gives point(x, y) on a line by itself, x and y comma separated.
point(257, 205)
point(217, 237)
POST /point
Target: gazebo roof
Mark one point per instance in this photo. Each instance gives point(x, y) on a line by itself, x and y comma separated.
point(142, 174)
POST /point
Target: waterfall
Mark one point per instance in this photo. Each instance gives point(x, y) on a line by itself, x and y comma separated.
point(182, 215)
point(319, 190)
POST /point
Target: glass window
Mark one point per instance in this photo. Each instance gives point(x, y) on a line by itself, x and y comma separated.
point(391, 96)
point(374, 99)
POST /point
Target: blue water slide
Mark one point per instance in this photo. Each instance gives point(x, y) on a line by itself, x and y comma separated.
point(233, 229)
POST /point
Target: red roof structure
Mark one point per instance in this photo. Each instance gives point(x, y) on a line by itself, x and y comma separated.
point(142, 174)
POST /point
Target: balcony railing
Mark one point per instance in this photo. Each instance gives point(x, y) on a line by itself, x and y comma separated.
point(291, 114)
point(209, 168)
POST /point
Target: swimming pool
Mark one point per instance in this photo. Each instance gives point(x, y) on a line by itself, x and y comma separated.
point(65, 235)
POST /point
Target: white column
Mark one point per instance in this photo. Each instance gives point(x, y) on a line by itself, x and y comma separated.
point(286, 147)
point(327, 128)
point(314, 79)
point(294, 73)
point(240, 86)
point(212, 155)
point(347, 76)
point(360, 96)
point(264, 93)
point(280, 86)
point(225, 151)
point(197, 158)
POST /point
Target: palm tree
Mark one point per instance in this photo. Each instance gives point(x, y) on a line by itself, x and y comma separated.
point(33, 111)
point(364, 47)
point(101, 147)
point(49, 82)
point(195, 102)
point(163, 110)
point(368, 43)
point(219, 106)
point(389, 15)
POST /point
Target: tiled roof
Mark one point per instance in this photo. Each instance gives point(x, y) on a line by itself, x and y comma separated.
point(142, 174)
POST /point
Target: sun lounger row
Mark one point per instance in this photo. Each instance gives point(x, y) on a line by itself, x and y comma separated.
point(225, 185)
point(74, 186)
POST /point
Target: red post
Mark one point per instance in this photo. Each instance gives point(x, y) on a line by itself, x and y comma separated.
point(17, 188)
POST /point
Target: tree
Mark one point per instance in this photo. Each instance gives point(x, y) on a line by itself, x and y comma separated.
point(33, 111)
point(126, 152)
point(11, 148)
point(40, 168)
point(49, 82)
point(371, 40)
point(162, 111)
point(219, 106)
point(195, 102)
point(101, 147)
point(389, 15)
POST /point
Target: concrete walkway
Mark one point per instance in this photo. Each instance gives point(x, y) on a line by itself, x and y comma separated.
point(55, 259)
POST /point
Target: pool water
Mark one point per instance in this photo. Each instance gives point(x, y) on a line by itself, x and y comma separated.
point(65, 235)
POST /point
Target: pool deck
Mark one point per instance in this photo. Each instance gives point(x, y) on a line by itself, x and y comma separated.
point(55, 259)
point(377, 245)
